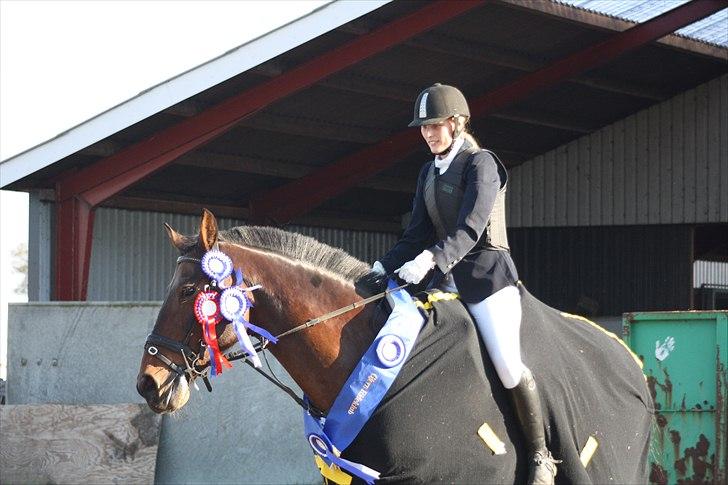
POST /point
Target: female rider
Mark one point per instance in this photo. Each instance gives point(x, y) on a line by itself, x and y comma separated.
point(458, 229)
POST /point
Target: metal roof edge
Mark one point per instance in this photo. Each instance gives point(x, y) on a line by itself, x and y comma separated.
point(182, 86)
point(609, 22)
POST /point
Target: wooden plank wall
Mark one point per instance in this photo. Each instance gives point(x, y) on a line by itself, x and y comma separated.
point(56, 443)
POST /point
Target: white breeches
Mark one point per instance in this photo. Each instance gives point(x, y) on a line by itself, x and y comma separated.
point(498, 319)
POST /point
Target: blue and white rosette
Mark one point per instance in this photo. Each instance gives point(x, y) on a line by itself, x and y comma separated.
point(233, 306)
point(217, 265)
point(323, 447)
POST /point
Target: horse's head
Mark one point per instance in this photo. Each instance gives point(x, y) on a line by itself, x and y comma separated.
point(174, 354)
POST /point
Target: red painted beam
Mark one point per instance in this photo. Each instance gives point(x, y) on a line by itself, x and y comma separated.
point(115, 173)
point(79, 192)
point(74, 228)
point(598, 54)
point(294, 199)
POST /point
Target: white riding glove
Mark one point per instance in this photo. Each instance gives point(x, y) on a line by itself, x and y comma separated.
point(413, 271)
point(378, 268)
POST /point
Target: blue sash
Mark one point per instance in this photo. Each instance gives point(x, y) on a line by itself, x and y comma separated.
point(368, 383)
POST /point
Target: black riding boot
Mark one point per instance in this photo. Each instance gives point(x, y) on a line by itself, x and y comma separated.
point(528, 408)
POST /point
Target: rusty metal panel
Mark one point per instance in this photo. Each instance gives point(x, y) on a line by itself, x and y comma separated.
point(686, 367)
point(667, 164)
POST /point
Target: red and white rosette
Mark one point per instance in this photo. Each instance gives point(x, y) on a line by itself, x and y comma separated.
point(207, 312)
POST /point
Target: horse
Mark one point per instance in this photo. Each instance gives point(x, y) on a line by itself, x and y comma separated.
point(596, 401)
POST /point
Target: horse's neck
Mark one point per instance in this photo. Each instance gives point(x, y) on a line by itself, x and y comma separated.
point(319, 358)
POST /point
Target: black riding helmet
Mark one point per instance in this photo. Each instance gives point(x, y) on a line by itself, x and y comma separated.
point(438, 103)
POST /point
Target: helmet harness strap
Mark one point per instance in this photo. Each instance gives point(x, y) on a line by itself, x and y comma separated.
point(459, 130)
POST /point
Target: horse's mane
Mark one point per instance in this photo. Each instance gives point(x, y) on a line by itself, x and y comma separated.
point(303, 248)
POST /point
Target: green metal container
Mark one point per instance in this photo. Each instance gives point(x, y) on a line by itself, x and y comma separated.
point(685, 361)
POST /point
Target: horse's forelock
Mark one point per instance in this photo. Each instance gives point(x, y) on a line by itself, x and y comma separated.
point(188, 244)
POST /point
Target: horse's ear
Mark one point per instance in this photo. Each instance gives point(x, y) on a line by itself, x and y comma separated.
point(208, 230)
point(178, 240)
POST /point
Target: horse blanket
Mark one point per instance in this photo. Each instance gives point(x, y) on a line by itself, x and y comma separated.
point(425, 429)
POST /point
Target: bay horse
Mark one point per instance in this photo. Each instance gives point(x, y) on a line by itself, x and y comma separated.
point(426, 427)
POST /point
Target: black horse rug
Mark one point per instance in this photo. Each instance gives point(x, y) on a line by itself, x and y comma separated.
point(426, 428)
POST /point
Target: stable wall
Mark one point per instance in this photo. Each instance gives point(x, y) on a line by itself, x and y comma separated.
point(245, 431)
point(667, 164)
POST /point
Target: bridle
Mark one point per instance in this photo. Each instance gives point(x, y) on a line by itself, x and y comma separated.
point(192, 359)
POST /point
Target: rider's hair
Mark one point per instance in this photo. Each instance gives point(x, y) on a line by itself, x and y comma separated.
point(463, 124)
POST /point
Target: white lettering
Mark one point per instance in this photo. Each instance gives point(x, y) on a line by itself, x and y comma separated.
point(362, 393)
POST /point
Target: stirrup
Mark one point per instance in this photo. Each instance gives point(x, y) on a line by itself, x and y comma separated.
point(543, 468)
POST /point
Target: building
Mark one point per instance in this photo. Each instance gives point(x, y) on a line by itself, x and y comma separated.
point(615, 134)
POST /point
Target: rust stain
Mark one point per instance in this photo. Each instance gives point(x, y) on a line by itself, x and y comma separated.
point(659, 433)
point(696, 457)
point(661, 420)
point(675, 439)
point(651, 386)
point(666, 387)
point(658, 475)
point(721, 380)
point(680, 468)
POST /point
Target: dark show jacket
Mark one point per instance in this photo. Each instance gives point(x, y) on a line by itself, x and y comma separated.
point(478, 272)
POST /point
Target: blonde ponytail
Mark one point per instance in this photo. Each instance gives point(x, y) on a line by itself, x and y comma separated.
point(471, 139)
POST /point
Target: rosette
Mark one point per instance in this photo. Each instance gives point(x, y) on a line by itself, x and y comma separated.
point(207, 308)
point(217, 265)
point(207, 312)
point(233, 304)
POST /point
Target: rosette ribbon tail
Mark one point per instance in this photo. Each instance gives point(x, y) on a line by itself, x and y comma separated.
point(245, 343)
point(357, 469)
point(322, 446)
point(261, 331)
point(217, 358)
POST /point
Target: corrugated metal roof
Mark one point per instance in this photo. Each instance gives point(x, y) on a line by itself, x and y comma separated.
point(713, 29)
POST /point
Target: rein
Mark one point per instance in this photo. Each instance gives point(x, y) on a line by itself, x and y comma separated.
point(191, 358)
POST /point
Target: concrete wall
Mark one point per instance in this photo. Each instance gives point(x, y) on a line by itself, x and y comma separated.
point(245, 431)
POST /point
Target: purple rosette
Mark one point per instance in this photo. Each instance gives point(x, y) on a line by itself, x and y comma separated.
point(217, 265)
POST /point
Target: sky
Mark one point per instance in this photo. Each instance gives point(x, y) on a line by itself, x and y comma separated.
point(63, 62)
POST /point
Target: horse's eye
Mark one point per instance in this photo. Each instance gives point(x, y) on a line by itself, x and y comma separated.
point(188, 291)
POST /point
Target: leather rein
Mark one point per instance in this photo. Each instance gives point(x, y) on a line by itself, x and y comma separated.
point(193, 368)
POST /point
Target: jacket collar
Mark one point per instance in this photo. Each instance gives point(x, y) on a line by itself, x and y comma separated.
point(458, 145)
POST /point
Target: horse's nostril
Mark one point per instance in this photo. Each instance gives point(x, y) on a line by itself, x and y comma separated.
point(147, 387)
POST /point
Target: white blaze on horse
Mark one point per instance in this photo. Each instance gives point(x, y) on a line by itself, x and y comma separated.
point(424, 427)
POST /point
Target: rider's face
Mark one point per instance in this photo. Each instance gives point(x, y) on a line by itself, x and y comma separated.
point(438, 136)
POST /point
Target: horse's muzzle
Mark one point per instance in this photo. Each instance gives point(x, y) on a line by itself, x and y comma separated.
point(165, 398)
